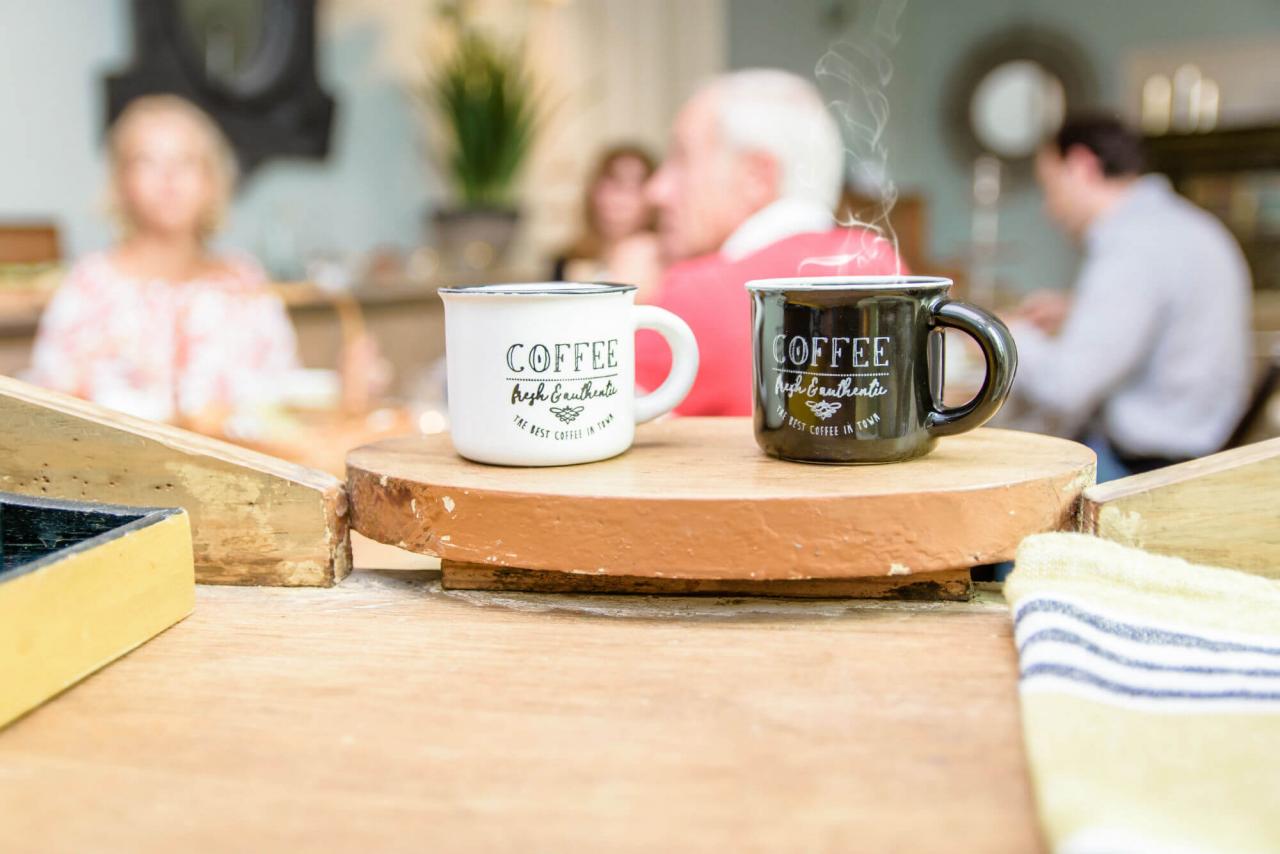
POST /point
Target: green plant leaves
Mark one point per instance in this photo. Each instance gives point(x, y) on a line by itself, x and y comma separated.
point(484, 96)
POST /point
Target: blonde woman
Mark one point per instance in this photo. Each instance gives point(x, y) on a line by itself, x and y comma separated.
point(159, 326)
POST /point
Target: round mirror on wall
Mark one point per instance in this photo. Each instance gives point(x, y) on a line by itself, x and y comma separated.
point(1016, 106)
point(1012, 92)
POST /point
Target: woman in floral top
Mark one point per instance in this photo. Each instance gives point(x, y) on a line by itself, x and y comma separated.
point(159, 326)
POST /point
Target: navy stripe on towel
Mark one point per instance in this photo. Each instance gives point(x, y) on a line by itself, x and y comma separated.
point(1131, 632)
point(1068, 637)
point(1076, 674)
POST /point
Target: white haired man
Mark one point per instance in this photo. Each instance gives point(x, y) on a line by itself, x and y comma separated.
point(747, 191)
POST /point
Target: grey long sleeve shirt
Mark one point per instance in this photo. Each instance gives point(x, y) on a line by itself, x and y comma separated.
point(1157, 342)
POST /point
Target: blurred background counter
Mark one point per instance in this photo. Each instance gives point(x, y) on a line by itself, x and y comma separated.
point(405, 318)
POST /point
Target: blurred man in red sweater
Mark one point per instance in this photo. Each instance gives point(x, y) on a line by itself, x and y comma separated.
point(752, 176)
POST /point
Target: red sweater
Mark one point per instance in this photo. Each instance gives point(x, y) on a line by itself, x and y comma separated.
point(708, 293)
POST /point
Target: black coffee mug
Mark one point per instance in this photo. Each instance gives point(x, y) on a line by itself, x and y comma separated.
point(849, 369)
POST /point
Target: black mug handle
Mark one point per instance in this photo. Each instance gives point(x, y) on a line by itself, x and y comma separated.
point(1002, 362)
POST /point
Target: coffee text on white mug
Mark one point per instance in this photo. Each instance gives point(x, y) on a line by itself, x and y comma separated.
point(541, 358)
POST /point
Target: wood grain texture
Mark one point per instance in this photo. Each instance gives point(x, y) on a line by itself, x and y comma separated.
point(695, 498)
point(254, 519)
point(389, 716)
point(1222, 510)
point(950, 586)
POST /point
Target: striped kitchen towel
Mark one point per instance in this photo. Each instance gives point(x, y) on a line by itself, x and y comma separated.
point(1150, 692)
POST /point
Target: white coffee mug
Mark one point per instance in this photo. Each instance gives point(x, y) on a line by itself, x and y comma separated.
point(544, 374)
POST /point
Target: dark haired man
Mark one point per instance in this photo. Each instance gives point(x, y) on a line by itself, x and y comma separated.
point(1150, 355)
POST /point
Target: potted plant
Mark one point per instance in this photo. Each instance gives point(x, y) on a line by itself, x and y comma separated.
point(483, 98)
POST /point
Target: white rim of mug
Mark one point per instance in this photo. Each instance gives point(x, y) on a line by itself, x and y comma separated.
point(539, 289)
point(855, 283)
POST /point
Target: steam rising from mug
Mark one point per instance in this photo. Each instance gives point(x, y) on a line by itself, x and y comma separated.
point(859, 69)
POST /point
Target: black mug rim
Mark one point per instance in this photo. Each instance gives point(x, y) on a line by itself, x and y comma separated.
point(849, 283)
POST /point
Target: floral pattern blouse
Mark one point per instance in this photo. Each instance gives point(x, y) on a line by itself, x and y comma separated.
point(158, 349)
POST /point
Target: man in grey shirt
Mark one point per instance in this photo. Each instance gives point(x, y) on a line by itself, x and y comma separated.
point(1151, 354)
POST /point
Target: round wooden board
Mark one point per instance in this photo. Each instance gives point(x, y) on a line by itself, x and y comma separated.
point(695, 498)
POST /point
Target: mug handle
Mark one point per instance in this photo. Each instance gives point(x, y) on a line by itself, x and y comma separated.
point(1001, 356)
point(684, 361)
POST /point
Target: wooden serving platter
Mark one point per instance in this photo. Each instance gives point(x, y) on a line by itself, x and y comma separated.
point(695, 501)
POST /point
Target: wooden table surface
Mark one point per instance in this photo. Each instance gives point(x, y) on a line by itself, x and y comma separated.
point(387, 715)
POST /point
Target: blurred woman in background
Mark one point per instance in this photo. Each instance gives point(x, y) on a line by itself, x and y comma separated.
point(618, 242)
point(160, 326)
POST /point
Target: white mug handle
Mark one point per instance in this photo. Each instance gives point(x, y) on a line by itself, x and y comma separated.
point(684, 361)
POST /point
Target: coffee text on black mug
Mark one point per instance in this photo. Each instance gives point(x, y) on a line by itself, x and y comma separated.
point(834, 351)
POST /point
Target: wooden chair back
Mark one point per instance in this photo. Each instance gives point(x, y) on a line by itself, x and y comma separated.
point(29, 243)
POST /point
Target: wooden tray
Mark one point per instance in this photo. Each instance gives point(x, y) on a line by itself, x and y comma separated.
point(695, 501)
point(80, 585)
